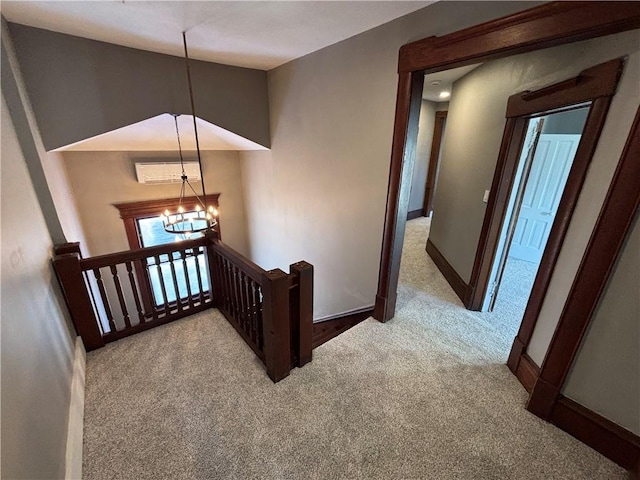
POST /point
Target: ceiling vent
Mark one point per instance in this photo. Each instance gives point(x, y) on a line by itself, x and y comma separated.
point(159, 173)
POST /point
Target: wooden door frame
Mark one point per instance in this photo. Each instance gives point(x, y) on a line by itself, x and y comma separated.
point(548, 25)
point(434, 157)
point(612, 227)
point(596, 85)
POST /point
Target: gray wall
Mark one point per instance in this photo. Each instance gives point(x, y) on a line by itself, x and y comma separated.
point(470, 154)
point(100, 179)
point(605, 376)
point(320, 194)
point(475, 125)
point(37, 348)
point(80, 88)
point(423, 150)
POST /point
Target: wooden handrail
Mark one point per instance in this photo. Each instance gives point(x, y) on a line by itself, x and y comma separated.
point(69, 273)
point(248, 267)
point(271, 310)
point(101, 261)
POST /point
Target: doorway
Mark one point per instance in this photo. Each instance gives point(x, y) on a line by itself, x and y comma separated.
point(550, 145)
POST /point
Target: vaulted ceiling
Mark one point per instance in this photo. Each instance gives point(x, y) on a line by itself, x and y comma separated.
point(254, 34)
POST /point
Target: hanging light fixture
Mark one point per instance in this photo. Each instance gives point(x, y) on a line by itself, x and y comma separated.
point(189, 219)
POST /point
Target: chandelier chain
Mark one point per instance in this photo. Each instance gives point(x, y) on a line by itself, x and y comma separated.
point(175, 118)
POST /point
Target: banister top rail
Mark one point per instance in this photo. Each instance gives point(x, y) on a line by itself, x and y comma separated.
point(129, 255)
point(248, 267)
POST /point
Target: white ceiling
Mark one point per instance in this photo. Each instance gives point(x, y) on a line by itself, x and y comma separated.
point(445, 80)
point(256, 34)
point(159, 134)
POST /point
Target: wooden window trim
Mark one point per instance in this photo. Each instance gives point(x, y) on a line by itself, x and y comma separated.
point(132, 211)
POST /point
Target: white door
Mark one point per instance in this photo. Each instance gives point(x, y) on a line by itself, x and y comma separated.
point(547, 177)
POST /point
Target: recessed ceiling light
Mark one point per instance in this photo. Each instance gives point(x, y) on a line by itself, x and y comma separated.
point(444, 94)
point(435, 83)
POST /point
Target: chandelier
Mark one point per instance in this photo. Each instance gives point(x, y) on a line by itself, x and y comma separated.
point(194, 218)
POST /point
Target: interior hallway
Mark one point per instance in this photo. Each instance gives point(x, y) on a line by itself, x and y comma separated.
point(419, 272)
point(426, 396)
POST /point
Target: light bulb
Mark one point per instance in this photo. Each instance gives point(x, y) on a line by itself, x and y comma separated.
point(215, 212)
point(180, 209)
point(197, 208)
point(166, 212)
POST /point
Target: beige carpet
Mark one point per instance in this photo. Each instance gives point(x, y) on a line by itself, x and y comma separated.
point(425, 396)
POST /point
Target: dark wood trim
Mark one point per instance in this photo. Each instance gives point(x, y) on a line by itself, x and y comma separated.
point(590, 136)
point(604, 436)
point(607, 239)
point(101, 261)
point(434, 157)
point(544, 26)
point(503, 178)
point(328, 329)
point(414, 214)
point(595, 82)
point(515, 355)
point(76, 296)
point(153, 208)
point(276, 324)
point(457, 283)
point(301, 307)
point(132, 211)
point(405, 136)
point(527, 372)
point(548, 25)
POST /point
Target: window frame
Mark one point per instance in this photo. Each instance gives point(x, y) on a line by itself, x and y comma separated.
point(131, 212)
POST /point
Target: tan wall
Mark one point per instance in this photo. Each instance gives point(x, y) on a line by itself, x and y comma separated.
point(100, 179)
point(423, 150)
point(55, 171)
point(37, 348)
point(605, 376)
point(320, 194)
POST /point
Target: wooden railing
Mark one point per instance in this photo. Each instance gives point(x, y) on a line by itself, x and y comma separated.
point(271, 310)
point(117, 295)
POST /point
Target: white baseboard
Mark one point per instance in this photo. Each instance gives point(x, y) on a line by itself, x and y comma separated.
point(76, 415)
point(343, 314)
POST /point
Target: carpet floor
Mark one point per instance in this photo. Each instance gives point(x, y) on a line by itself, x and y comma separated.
point(425, 396)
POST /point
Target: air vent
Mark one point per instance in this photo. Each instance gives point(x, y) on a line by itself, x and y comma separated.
point(159, 173)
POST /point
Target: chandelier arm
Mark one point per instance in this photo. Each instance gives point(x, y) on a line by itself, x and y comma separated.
point(193, 111)
point(200, 201)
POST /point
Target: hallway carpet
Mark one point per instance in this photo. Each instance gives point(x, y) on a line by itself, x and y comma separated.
point(425, 396)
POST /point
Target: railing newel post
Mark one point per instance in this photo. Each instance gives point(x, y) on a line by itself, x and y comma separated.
point(213, 237)
point(67, 267)
point(276, 324)
point(302, 316)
